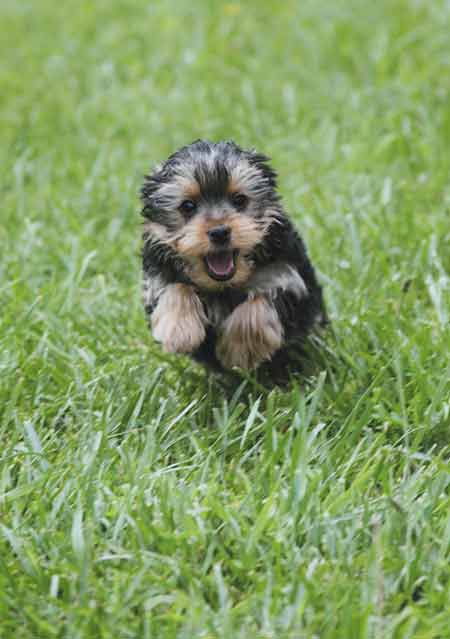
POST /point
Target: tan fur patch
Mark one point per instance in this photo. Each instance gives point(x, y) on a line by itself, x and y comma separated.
point(192, 190)
point(178, 321)
point(251, 335)
point(194, 241)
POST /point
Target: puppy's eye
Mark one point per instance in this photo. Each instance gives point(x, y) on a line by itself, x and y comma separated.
point(188, 207)
point(239, 200)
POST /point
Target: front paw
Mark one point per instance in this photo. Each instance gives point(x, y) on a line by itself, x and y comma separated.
point(251, 335)
point(178, 321)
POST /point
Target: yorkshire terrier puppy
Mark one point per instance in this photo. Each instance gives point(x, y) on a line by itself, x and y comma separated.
point(226, 276)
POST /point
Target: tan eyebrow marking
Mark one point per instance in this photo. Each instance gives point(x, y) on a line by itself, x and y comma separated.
point(192, 190)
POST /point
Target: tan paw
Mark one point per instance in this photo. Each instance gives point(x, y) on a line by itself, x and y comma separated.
point(178, 321)
point(250, 335)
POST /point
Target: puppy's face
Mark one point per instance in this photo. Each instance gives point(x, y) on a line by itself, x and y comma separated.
point(212, 204)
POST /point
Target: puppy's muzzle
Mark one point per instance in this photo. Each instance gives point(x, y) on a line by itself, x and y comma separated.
point(220, 235)
point(220, 262)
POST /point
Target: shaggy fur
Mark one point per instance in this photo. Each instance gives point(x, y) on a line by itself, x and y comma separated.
point(227, 278)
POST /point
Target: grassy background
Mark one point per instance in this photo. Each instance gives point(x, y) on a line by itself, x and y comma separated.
point(137, 498)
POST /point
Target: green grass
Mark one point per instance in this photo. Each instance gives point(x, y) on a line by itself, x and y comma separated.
point(138, 497)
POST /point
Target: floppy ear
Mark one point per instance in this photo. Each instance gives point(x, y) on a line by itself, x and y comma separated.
point(160, 175)
point(151, 184)
point(261, 162)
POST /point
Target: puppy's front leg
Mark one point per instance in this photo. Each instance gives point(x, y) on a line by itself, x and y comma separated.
point(178, 321)
point(250, 335)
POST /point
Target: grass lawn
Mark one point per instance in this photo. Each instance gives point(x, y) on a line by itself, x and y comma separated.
point(139, 498)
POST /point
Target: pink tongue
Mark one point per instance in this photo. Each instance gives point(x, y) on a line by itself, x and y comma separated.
point(221, 263)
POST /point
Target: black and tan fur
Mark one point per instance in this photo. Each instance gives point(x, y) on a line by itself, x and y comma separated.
point(226, 276)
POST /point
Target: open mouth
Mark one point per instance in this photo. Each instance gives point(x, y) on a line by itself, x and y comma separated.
point(221, 265)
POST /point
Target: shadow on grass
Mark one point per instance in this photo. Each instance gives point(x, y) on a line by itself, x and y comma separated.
point(286, 372)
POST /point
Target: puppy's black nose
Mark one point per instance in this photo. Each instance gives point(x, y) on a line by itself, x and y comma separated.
point(220, 234)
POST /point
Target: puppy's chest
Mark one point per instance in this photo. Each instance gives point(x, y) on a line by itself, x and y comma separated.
point(218, 306)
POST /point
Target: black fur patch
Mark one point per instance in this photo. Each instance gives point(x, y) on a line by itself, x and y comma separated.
point(213, 181)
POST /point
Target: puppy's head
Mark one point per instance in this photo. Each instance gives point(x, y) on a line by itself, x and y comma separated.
point(212, 204)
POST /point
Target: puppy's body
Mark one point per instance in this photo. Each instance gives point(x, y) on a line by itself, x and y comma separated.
point(227, 278)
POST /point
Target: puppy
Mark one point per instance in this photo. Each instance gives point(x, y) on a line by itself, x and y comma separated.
point(226, 276)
